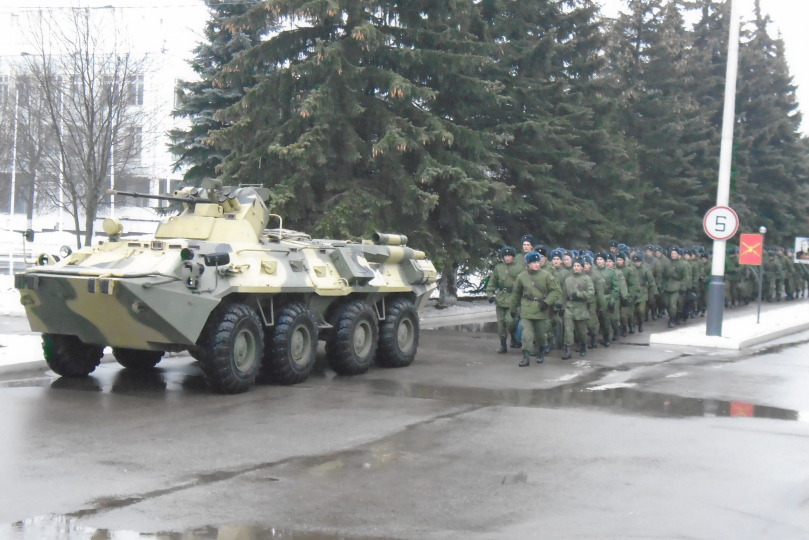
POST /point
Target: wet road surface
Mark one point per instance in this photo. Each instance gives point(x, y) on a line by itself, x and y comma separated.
point(628, 441)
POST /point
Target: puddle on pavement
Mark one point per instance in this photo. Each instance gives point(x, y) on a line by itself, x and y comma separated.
point(620, 399)
point(66, 528)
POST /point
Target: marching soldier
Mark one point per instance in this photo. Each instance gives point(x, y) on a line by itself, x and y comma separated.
point(674, 284)
point(646, 288)
point(578, 290)
point(499, 290)
point(535, 290)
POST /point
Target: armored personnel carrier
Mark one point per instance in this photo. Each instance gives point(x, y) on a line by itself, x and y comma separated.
point(248, 302)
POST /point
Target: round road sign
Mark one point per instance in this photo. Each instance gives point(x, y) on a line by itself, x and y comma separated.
point(720, 223)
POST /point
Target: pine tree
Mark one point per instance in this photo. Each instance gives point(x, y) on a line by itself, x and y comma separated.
point(200, 100)
point(771, 158)
point(651, 56)
point(367, 117)
point(561, 156)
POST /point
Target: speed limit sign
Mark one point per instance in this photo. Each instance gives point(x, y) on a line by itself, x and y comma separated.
point(720, 223)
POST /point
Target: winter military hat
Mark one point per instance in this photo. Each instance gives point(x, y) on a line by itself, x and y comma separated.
point(622, 255)
point(527, 238)
point(637, 257)
point(533, 256)
point(603, 255)
point(507, 250)
point(542, 249)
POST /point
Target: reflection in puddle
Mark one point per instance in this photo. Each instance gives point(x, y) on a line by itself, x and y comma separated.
point(620, 399)
point(67, 528)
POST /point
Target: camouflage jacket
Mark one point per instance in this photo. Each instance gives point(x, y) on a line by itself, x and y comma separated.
point(501, 283)
point(578, 290)
point(533, 292)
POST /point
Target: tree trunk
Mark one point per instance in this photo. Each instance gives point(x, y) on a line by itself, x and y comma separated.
point(448, 287)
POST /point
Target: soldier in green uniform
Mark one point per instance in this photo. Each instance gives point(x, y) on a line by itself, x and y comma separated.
point(674, 284)
point(660, 263)
point(612, 297)
point(633, 290)
point(646, 288)
point(578, 290)
point(499, 290)
point(732, 277)
point(598, 304)
point(623, 297)
point(560, 272)
point(777, 274)
point(527, 243)
point(535, 290)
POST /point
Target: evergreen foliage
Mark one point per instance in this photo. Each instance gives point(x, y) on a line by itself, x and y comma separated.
point(200, 100)
point(467, 124)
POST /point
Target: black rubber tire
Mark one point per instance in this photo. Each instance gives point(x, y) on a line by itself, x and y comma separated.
point(231, 348)
point(352, 344)
point(398, 335)
point(69, 356)
point(289, 354)
point(136, 358)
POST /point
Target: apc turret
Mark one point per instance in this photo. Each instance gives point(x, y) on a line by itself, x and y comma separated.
point(249, 302)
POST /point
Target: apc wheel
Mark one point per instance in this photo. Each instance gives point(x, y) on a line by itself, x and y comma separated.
point(352, 344)
point(230, 348)
point(136, 358)
point(290, 355)
point(69, 356)
point(398, 335)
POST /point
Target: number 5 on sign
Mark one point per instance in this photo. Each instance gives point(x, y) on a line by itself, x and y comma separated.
point(720, 223)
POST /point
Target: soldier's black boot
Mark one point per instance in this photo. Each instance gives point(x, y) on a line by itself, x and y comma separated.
point(526, 359)
point(631, 328)
point(541, 355)
point(567, 355)
point(503, 349)
point(606, 340)
point(583, 349)
point(640, 327)
point(671, 323)
point(593, 344)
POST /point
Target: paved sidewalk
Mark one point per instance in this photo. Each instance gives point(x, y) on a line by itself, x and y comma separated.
point(742, 328)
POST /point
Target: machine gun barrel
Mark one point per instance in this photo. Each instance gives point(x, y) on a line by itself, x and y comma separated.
point(178, 198)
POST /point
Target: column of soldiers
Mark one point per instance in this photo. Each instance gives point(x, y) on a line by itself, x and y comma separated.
point(582, 298)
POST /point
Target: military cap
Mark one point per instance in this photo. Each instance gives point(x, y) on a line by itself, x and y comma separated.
point(636, 257)
point(542, 249)
point(603, 255)
point(578, 260)
point(507, 250)
point(588, 259)
point(622, 255)
point(614, 243)
point(611, 256)
point(533, 256)
point(527, 238)
point(648, 247)
point(556, 253)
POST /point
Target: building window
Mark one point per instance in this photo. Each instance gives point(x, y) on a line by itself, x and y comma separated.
point(135, 143)
point(136, 90)
point(4, 82)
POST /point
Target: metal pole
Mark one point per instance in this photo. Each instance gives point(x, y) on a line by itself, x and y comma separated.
point(11, 209)
point(716, 287)
point(760, 286)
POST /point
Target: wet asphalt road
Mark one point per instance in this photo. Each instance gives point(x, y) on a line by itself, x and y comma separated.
point(631, 441)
